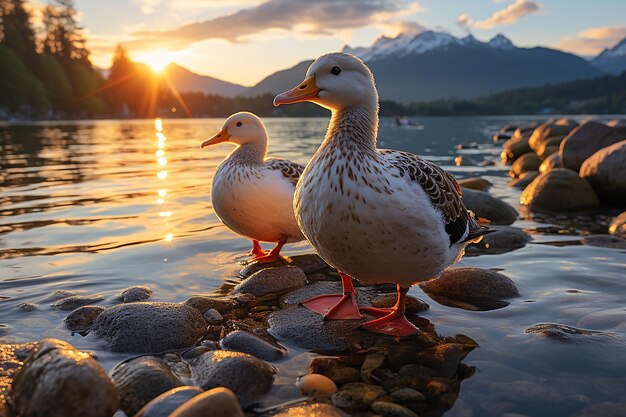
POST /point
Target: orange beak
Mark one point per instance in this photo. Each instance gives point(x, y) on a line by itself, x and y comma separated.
point(221, 136)
point(305, 91)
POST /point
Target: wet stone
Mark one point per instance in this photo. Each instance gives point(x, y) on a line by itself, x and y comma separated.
point(309, 263)
point(27, 307)
point(341, 375)
point(149, 327)
point(471, 282)
point(272, 281)
point(407, 395)
point(564, 333)
point(217, 402)
point(413, 305)
point(75, 301)
point(82, 318)
point(489, 207)
point(136, 293)
point(248, 377)
point(316, 385)
point(212, 316)
point(254, 267)
point(388, 409)
point(194, 352)
point(605, 241)
point(142, 379)
point(312, 410)
point(242, 341)
point(203, 304)
point(475, 183)
point(357, 396)
point(504, 239)
point(524, 179)
point(167, 402)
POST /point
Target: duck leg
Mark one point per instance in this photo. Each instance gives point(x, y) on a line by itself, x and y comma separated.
point(337, 306)
point(272, 256)
point(392, 321)
point(256, 250)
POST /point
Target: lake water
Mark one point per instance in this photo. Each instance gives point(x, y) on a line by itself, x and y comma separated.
point(93, 207)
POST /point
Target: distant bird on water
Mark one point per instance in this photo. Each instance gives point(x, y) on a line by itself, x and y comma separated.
point(253, 195)
point(377, 215)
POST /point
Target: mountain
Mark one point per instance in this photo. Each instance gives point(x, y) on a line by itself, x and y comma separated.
point(612, 60)
point(187, 81)
point(435, 65)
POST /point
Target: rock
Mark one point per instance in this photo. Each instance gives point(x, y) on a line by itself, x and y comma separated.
point(387, 409)
point(527, 162)
point(606, 172)
point(195, 351)
point(605, 241)
point(82, 318)
point(11, 359)
point(471, 282)
point(475, 183)
point(166, 403)
point(312, 410)
point(604, 320)
point(217, 402)
point(524, 179)
point(27, 307)
point(549, 146)
point(504, 239)
point(618, 226)
point(341, 375)
point(316, 385)
point(203, 304)
point(357, 395)
point(514, 148)
point(242, 341)
point(412, 304)
point(549, 129)
point(57, 380)
point(407, 395)
point(136, 293)
point(551, 162)
point(149, 327)
point(565, 333)
point(586, 140)
point(212, 316)
point(309, 263)
point(557, 191)
point(74, 301)
point(272, 281)
point(248, 377)
point(499, 137)
point(142, 379)
point(509, 129)
point(465, 161)
point(487, 206)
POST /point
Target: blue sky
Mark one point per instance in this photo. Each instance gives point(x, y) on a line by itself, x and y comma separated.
point(245, 40)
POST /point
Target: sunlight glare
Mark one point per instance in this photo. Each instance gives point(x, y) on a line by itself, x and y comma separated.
point(162, 174)
point(157, 61)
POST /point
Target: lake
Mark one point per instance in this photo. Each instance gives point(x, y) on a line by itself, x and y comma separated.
point(96, 206)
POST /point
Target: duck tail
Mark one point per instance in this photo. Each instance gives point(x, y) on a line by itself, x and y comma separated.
point(479, 227)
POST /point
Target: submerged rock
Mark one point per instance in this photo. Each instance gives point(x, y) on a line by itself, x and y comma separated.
point(82, 318)
point(142, 379)
point(245, 342)
point(605, 241)
point(618, 226)
point(316, 385)
point(28, 307)
point(475, 183)
point(357, 396)
point(166, 403)
point(312, 410)
point(606, 172)
point(149, 327)
point(586, 140)
point(487, 206)
point(605, 319)
point(57, 380)
point(471, 282)
point(248, 377)
point(217, 402)
point(504, 239)
point(559, 190)
point(135, 293)
point(272, 281)
point(565, 333)
point(74, 301)
point(527, 162)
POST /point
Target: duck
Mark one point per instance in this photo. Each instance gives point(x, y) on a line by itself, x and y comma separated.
point(376, 215)
point(252, 194)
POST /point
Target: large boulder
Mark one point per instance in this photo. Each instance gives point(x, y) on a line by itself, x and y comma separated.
point(146, 327)
point(487, 206)
point(586, 140)
point(527, 162)
point(606, 172)
point(550, 129)
point(559, 190)
point(549, 146)
point(57, 380)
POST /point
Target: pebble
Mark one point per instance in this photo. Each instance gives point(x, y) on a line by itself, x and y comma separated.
point(388, 409)
point(135, 293)
point(309, 263)
point(167, 402)
point(203, 304)
point(341, 375)
point(194, 352)
point(56, 380)
point(142, 379)
point(242, 341)
point(149, 327)
point(272, 281)
point(82, 318)
point(316, 385)
point(357, 395)
point(471, 282)
point(618, 226)
point(475, 183)
point(74, 301)
point(248, 377)
point(27, 306)
point(407, 395)
point(212, 316)
point(217, 402)
point(413, 305)
point(312, 410)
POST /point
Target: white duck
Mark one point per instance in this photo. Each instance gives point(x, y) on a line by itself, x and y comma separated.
point(253, 195)
point(376, 215)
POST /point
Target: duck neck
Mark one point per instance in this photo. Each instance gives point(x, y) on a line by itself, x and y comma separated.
point(249, 154)
point(354, 128)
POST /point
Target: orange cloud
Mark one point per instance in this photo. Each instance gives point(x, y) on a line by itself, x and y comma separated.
point(506, 16)
point(593, 40)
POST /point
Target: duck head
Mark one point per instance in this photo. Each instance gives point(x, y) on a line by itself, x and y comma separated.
point(241, 128)
point(335, 81)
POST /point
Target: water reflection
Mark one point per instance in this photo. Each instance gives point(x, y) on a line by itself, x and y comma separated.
point(162, 175)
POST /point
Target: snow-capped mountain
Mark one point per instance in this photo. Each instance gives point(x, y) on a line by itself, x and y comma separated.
point(612, 60)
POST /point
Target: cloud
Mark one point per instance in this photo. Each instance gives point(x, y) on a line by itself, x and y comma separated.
point(506, 16)
point(593, 40)
point(406, 27)
point(306, 16)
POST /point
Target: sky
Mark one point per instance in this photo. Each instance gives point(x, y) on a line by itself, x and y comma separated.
point(243, 41)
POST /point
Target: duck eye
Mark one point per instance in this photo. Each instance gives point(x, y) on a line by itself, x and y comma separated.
point(239, 124)
point(335, 70)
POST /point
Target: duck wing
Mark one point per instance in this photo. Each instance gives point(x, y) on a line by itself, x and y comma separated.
point(442, 189)
point(290, 170)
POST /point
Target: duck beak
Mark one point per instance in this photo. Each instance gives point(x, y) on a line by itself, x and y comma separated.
point(305, 91)
point(221, 136)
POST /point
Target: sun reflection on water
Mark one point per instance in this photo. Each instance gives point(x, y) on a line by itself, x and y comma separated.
point(162, 175)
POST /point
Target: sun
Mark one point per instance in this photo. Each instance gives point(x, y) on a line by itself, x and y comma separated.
point(157, 61)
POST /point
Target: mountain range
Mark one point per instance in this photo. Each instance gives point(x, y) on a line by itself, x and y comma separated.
point(433, 66)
